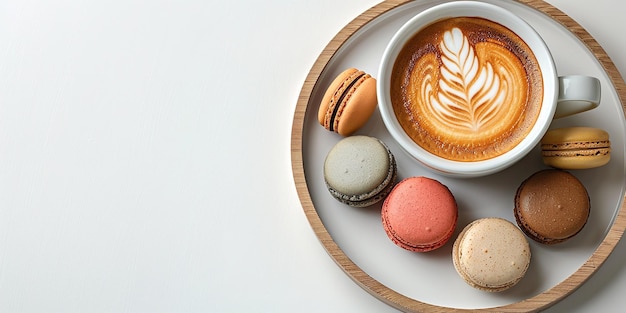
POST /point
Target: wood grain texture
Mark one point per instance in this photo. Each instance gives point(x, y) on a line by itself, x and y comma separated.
point(382, 292)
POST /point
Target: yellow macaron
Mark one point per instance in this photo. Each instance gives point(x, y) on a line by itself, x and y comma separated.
point(575, 148)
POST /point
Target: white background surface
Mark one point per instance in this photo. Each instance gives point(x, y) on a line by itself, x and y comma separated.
point(145, 157)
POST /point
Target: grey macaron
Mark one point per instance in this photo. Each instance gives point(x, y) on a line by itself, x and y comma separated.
point(360, 171)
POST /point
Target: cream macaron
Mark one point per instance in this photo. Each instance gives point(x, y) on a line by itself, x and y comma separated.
point(491, 254)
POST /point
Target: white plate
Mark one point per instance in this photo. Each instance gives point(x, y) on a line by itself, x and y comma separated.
point(430, 277)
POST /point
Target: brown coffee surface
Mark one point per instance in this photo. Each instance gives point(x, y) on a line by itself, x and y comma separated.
point(466, 89)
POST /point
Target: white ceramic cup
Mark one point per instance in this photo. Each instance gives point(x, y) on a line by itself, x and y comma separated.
point(562, 96)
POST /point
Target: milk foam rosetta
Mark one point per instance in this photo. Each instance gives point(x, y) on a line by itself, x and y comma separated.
point(466, 89)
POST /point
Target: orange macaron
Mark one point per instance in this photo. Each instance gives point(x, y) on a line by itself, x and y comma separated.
point(348, 102)
point(420, 214)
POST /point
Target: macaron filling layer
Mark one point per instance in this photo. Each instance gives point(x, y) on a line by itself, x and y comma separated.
point(575, 153)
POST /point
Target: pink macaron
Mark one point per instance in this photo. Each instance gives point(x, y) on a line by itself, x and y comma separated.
point(420, 214)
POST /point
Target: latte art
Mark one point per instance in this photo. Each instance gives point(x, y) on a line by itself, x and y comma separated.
point(469, 89)
point(470, 95)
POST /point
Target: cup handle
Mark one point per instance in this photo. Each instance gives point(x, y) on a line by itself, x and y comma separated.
point(577, 94)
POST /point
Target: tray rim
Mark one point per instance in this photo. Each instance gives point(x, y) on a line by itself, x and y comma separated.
point(360, 277)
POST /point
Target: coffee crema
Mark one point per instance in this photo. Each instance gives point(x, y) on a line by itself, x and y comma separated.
point(466, 89)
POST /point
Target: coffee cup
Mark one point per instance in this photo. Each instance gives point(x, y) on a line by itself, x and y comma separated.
point(469, 88)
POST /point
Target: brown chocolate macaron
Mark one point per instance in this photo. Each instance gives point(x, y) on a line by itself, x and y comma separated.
point(551, 206)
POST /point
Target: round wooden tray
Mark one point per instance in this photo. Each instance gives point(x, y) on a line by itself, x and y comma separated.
point(396, 299)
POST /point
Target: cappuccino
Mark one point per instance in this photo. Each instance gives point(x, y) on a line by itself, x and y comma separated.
point(466, 89)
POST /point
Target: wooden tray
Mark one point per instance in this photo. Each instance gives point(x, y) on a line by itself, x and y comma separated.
point(354, 237)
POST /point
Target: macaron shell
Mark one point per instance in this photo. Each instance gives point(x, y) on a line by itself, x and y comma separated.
point(491, 254)
point(551, 206)
point(358, 106)
point(420, 214)
point(574, 134)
